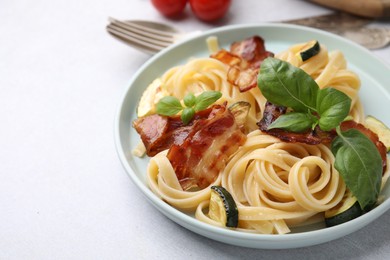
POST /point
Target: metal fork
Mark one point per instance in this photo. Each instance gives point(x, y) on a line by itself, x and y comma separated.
point(147, 36)
point(152, 37)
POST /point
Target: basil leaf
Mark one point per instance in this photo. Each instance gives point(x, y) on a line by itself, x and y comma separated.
point(187, 114)
point(189, 100)
point(206, 99)
point(168, 106)
point(286, 85)
point(360, 164)
point(295, 122)
point(333, 107)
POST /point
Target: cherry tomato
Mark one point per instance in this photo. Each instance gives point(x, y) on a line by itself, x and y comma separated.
point(170, 7)
point(207, 10)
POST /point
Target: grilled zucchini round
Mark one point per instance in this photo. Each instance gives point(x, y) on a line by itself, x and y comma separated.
point(223, 208)
point(348, 209)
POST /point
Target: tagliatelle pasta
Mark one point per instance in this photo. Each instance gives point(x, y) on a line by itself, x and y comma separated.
point(288, 182)
point(328, 69)
point(204, 74)
point(275, 185)
point(163, 181)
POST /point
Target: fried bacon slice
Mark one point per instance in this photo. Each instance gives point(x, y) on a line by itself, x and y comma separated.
point(203, 154)
point(312, 136)
point(159, 133)
point(197, 151)
point(316, 136)
point(251, 50)
point(244, 60)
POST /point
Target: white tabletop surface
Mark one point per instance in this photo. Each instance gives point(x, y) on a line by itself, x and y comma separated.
point(63, 191)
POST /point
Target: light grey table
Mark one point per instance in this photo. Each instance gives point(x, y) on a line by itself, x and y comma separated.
point(63, 191)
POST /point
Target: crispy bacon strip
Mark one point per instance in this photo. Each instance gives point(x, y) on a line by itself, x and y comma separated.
point(197, 151)
point(251, 50)
point(244, 59)
point(272, 112)
point(227, 58)
point(203, 154)
point(158, 133)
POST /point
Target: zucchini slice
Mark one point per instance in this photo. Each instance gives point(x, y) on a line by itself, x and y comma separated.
point(223, 208)
point(380, 129)
point(310, 49)
point(346, 210)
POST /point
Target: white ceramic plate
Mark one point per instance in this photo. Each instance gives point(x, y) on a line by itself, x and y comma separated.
point(375, 95)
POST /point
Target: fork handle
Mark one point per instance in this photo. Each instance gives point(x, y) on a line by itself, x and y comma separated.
point(368, 8)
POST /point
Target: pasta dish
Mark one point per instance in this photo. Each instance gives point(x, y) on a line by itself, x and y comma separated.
point(239, 153)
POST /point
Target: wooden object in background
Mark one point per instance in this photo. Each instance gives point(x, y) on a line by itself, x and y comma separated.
point(367, 8)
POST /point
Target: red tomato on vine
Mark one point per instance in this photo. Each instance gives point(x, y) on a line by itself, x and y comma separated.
point(209, 10)
point(170, 8)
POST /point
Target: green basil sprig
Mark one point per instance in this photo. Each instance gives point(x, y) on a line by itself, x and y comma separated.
point(356, 157)
point(286, 85)
point(169, 106)
point(359, 162)
point(333, 107)
point(294, 122)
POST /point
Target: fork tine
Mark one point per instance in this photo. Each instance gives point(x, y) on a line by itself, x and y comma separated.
point(125, 36)
point(144, 28)
point(144, 31)
point(136, 37)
